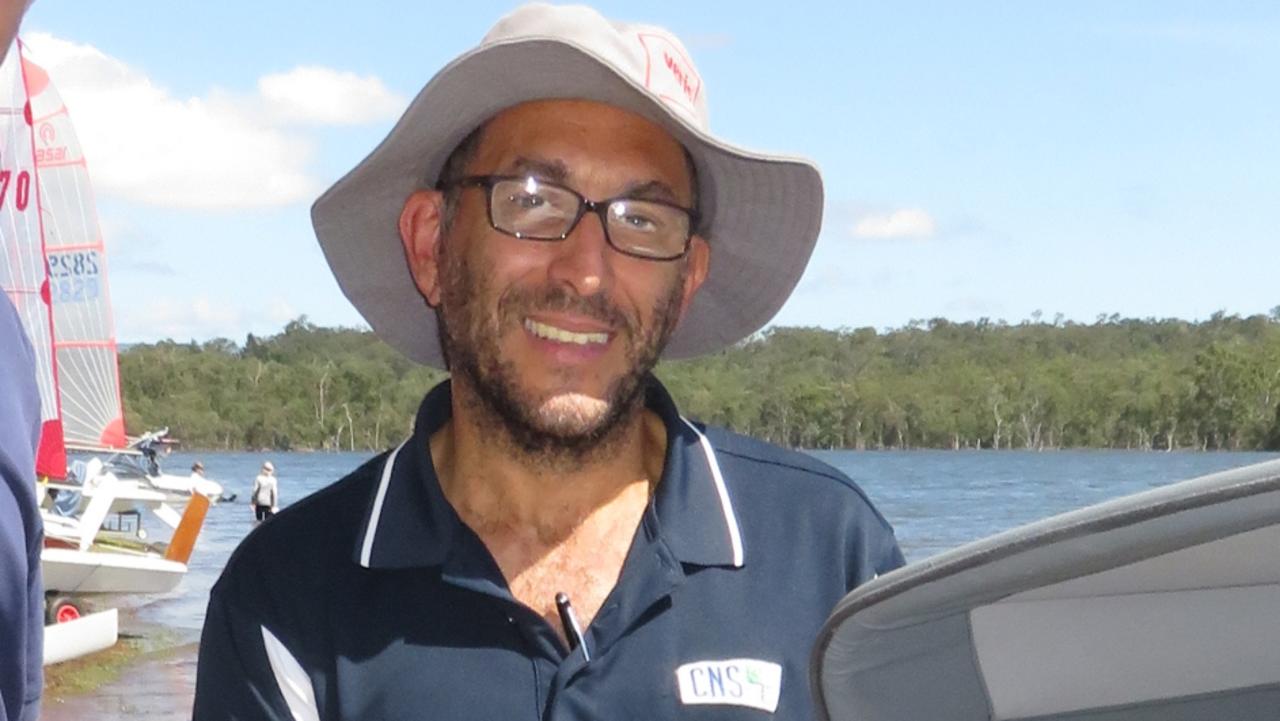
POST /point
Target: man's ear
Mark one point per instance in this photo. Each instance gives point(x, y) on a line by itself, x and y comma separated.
point(699, 262)
point(421, 221)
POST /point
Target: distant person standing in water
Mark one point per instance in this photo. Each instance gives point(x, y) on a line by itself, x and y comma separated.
point(266, 493)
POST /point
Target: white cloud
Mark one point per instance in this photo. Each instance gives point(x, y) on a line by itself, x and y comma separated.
point(201, 317)
point(316, 95)
point(219, 151)
point(280, 311)
point(166, 317)
point(902, 223)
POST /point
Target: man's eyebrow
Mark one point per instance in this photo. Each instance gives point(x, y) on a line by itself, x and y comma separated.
point(651, 190)
point(554, 171)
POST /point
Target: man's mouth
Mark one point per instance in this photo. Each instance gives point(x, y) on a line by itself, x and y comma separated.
point(560, 335)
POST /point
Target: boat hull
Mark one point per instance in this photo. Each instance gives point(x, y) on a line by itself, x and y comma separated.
point(85, 635)
point(72, 571)
point(181, 488)
point(1158, 606)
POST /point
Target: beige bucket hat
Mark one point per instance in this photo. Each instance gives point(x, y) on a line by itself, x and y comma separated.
point(762, 212)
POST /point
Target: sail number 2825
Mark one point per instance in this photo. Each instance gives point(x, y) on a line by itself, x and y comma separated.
point(73, 276)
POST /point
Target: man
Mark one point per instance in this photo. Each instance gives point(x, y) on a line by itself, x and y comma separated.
point(21, 531)
point(265, 498)
point(554, 540)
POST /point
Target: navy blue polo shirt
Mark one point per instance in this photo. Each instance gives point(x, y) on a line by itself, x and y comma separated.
point(372, 600)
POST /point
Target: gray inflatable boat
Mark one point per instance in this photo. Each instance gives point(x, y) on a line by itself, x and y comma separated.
point(1162, 605)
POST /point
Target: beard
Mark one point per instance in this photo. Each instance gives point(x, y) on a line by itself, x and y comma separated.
point(563, 427)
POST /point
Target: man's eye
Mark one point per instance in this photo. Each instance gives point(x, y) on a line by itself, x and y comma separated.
point(636, 217)
point(527, 201)
point(636, 221)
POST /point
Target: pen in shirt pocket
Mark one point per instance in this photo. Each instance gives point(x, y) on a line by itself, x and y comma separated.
point(569, 621)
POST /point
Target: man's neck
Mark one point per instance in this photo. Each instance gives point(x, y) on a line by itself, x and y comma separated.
point(552, 527)
point(495, 485)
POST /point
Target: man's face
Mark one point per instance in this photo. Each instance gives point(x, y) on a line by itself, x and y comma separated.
point(556, 336)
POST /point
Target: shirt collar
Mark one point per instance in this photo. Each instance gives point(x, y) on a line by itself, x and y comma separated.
point(409, 523)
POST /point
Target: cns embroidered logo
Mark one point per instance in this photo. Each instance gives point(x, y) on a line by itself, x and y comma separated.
point(736, 682)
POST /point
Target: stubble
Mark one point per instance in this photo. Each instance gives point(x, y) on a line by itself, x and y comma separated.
point(548, 433)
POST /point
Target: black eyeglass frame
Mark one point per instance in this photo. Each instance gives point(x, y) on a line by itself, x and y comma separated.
point(585, 205)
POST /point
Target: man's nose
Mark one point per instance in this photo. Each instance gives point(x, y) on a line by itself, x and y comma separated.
point(582, 259)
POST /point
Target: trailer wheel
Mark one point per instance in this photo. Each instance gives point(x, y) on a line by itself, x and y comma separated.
point(61, 609)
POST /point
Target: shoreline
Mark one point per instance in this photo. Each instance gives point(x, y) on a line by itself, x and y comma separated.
point(149, 673)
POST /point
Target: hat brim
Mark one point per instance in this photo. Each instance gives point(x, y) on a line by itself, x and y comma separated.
point(763, 212)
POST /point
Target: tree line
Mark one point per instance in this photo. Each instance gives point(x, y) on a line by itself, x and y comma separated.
point(1157, 384)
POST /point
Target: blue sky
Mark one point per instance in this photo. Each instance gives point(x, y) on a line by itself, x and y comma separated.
point(981, 159)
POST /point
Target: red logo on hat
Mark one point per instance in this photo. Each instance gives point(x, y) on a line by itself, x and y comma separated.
point(667, 70)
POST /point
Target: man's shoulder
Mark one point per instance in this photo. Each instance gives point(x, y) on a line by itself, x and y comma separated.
point(737, 448)
point(748, 461)
point(774, 487)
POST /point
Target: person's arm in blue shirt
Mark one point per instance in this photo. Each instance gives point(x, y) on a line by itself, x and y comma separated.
point(21, 533)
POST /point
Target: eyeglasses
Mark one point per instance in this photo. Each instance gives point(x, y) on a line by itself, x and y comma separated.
point(532, 209)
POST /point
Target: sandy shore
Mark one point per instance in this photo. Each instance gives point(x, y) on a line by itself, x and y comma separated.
point(149, 674)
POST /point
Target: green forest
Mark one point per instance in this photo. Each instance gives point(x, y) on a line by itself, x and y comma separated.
point(1116, 383)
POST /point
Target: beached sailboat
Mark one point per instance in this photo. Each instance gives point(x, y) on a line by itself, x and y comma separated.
point(24, 277)
point(85, 562)
point(54, 270)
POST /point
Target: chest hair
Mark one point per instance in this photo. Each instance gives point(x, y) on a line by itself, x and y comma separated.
point(585, 563)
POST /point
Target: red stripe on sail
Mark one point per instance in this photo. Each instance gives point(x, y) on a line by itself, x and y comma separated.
point(63, 164)
point(51, 455)
point(33, 76)
point(113, 435)
point(52, 452)
point(95, 245)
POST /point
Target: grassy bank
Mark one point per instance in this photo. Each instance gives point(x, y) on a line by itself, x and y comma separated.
point(86, 674)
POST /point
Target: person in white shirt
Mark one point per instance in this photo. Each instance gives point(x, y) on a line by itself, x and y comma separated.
point(266, 494)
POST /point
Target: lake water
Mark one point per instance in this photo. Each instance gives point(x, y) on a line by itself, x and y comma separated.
point(936, 500)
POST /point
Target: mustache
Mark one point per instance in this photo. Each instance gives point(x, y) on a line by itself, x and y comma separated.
point(558, 299)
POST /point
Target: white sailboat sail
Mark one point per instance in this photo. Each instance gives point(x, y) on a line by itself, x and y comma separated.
point(84, 346)
point(83, 332)
point(23, 271)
